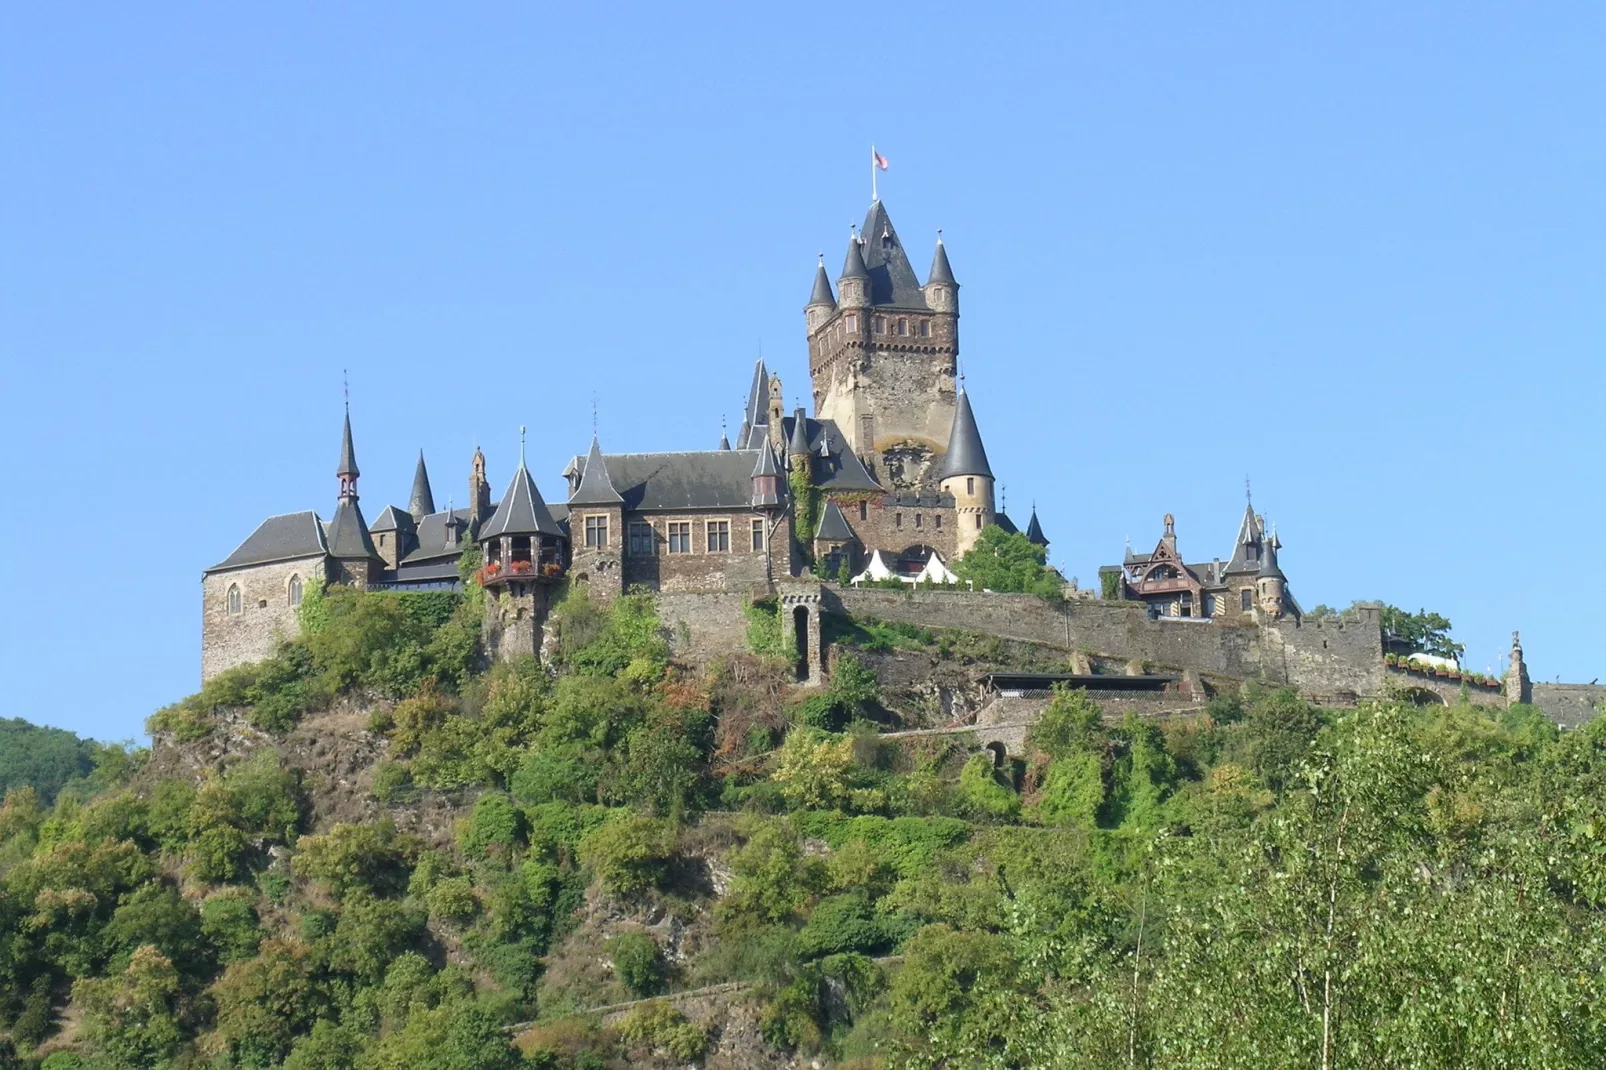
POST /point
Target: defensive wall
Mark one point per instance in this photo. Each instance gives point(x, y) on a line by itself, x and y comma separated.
point(1569, 705)
point(1334, 660)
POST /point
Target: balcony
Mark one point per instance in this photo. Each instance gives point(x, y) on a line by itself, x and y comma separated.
point(496, 574)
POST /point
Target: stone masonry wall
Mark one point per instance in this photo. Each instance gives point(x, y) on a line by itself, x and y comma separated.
point(265, 616)
point(1326, 660)
point(889, 524)
point(1569, 705)
point(739, 569)
point(704, 625)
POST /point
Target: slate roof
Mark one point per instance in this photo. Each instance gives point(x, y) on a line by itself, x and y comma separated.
point(755, 420)
point(892, 280)
point(1268, 562)
point(835, 467)
point(422, 500)
point(798, 441)
point(595, 488)
point(669, 482)
point(762, 496)
point(1250, 532)
point(821, 294)
point(940, 269)
point(278, 538)
point(523, 511)
point(348, 453)
point(431, 536)
point(834, 526)
point(853, 266)
point(393, 519)
point(1034, 531)
point(1005, 524)
point(966, 456)
point(347, 534)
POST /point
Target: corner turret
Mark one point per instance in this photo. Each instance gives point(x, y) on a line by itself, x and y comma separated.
point(965, 473)
point(353, 558)
point(422, 502)
point(1271, 585)
point(853, 287)
point(942, 292)
point(822, 303)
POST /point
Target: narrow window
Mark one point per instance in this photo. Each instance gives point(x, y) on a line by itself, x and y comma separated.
point(382, 540)
point(866, 432)
point(970, 484)
point(641, 540)
point(680, 537)
point(596, 532)
point(758, 535)
point(881, 325)
point(864, 510)
point(719, 536)
point(978, 521)
point(938, 520)
point(925, 329)
point(918, 518)
point(852, 322)
point(897, 521)
point(235, 603)
point(1246, 599)
point(295, 590)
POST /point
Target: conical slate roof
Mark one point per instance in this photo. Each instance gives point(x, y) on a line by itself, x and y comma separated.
point(347, 533)
point(766, 465)
point(966, 456)
point(833, 525)
point(853, 267)
point(940, 270)
point(422, 502)
point(724, 440)
point(596, 487)
point(755, 418)
point(522, 512)
point(1034, 531)
point(1246, 551)
point(822, 289)
point(892, 280)
point(1268, 560)
point(800, 435)
point(348, 453)
point(769, 492)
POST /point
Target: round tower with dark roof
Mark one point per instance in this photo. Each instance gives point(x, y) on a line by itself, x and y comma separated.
point(965, 474)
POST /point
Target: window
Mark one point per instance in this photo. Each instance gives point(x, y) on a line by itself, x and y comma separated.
point(758, 535)
point(596, 532)
point(235, 604)
point(925, 329)
point(897, 521)
point(881, 325)
point(978, 521)
point(295, 590)
point(938, 520)
point(719, 536)
point(970, 484)
point(918, 518)
point(903, 327)
point(642, 543)
point(1187, 604)
point(1210, 605)
point(679, 537)
point(866, 431)
point(381, 540)
point(864, 510)
point(852, 321)
point(1247, 599)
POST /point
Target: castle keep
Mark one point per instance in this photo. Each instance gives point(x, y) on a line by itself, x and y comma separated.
point(888, 479)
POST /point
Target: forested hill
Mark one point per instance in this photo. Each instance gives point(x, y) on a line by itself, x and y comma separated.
point(374, 852)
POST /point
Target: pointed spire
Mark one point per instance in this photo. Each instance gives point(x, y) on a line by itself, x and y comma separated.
point(422, 502)
point(940, 269)
point(755, 417)
point(1034, 530)
point(766, 478)
point(853, 267)
point(833, 526)
point(1268, 560)
point(596, 486)
point(799, 444)
point(522, 511)
point(822, 294)
point(966, 456)
point(348, 454)
point(724, 439)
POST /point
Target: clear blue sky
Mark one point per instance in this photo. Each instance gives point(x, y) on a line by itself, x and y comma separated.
point(1351, 251)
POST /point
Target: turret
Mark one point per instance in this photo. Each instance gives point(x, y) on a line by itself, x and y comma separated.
point(1519, 689)
point(797, 449)
point(766, 480)
point(942, 292)
point(596, 524)
point(422, 502)
point(479, 493)
point(1271, 585)
point(521, 539)
point(965, 474)
point(822, 304)
point(853, 287)
point(353, 557)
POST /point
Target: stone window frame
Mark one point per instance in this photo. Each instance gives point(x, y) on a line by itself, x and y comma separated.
point(937, 520)
point(642, 534)
point(851, 322)
point(596, 531)
point(925, 328)
point(864, 509)
point(294, 590)
point(758, 538)
point(234, 600)
point(678, 532)
point(881, 325)
point(717, 531)
point(1246, 598)
point(897, 521)
point(901, 328)
point(919, 521)
point(970, 484)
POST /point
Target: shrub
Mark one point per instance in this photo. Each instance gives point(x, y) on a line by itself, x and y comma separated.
point(638, 962)
point(843, 923)
point(659, 1026)
point(229, 920)
point(627, 853)
point(495, 826)
point(452, 899)
point(984, 791)
point(350, 857)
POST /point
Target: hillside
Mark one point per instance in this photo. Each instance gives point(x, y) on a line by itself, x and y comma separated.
point(373, 851)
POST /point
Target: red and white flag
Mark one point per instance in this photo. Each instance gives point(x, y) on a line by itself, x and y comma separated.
point(879, 160)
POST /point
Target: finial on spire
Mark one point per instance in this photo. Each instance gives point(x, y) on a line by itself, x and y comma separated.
point(1248, 497)
point(593, 415)
point(1003, 498)
point(521, 445)
point(939, 235)
point(345, 389)
point(821, 255)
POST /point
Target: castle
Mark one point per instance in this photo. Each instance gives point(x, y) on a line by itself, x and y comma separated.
point(888, 477)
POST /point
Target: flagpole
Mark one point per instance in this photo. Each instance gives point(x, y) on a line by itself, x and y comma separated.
point(873, 196)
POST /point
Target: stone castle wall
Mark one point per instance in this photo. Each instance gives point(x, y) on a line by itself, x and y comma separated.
point(1569, 705)
point(265, 616)
point(889, 524)
point(738, 569)
point(1327, 660)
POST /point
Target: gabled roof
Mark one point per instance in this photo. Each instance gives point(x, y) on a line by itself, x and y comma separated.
point(431, 536)
point(595, 487)
point(1003, 523)
point(834, 466)
point(348, 453)
point(892, 280)
point(834, 526)
point(822, 288)
point(940, 269)
point(1034, 531)
point(422, 501)
point(522, 512)
point(755, 419)
point(966, 456)
point(347, 534)
point(667, 482)
point(393, 519)
point(1246, 551)
point(278, 538)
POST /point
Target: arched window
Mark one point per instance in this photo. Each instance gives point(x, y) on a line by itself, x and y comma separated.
point(295, 590)
point(234, 598)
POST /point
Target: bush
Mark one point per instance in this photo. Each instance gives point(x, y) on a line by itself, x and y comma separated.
point(496, 826)
point(229, 920)
point(627, 854)
point(985, 792)
point(844, 923)
point(659, 1026)
point(374, 857)
point(638, 962)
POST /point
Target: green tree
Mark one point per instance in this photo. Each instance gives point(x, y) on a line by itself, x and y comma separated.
point(132, 1019)
point(1423, 632)
point(41, 758)
point(638, 962)
point(1009, 562)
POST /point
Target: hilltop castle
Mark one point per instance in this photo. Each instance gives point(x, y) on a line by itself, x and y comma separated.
point(888, 478)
